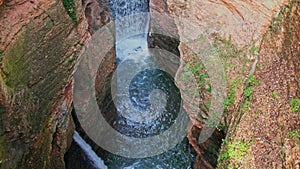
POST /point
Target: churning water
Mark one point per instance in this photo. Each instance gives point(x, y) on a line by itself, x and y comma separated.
point(146, 98)
point(145, 101)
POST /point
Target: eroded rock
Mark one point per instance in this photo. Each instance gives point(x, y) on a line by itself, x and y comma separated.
point(40, 45)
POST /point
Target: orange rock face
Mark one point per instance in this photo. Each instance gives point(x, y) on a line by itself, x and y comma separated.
point(39, 47)
point(248, 23)
point(244, 21)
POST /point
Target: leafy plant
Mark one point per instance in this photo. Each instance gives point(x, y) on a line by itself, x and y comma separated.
point(230, 99)
point(295, 104)
point(220, 126)
point(199, 72)
point(248, 92)
point(254, 49)
point(252, 81)
point(235, 151)
point(294, 134)
point(71, 9)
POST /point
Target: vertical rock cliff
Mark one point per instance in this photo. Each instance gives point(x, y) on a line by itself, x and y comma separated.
point(257, 42)
point(40, 43)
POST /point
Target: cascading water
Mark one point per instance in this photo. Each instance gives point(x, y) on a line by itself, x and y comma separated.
point(131, 32)
point(80, 155)
point(146, 99)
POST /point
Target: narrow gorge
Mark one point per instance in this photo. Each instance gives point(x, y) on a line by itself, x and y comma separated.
point(163, 84)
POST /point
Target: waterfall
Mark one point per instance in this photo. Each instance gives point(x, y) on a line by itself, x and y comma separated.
point(146, 100)
point(131, 24)
point(97, 162)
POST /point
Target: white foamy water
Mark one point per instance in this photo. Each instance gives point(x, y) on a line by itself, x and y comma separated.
point(97, 162)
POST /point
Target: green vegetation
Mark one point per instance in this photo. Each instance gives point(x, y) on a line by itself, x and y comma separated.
point(230, 99)
point(248, 92)
point(294, 135)
point(14, 63)
point(220, 126)
point(225, 48)
point(198, 70)
point(235, 152)
point(254, 49)
point(252, 81)
point(246, 105)
point(70, 60)
point(295, 104)
point(71, 9)
point(275, 95)
point(259, 66)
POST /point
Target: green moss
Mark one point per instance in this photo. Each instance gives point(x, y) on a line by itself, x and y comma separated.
point(71, 9)
point(14, 66)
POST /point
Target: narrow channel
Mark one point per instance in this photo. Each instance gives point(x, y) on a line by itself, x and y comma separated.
point(145, 106)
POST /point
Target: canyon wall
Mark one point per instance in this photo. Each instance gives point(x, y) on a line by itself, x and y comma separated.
point(40, 44)
point(257, 43)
